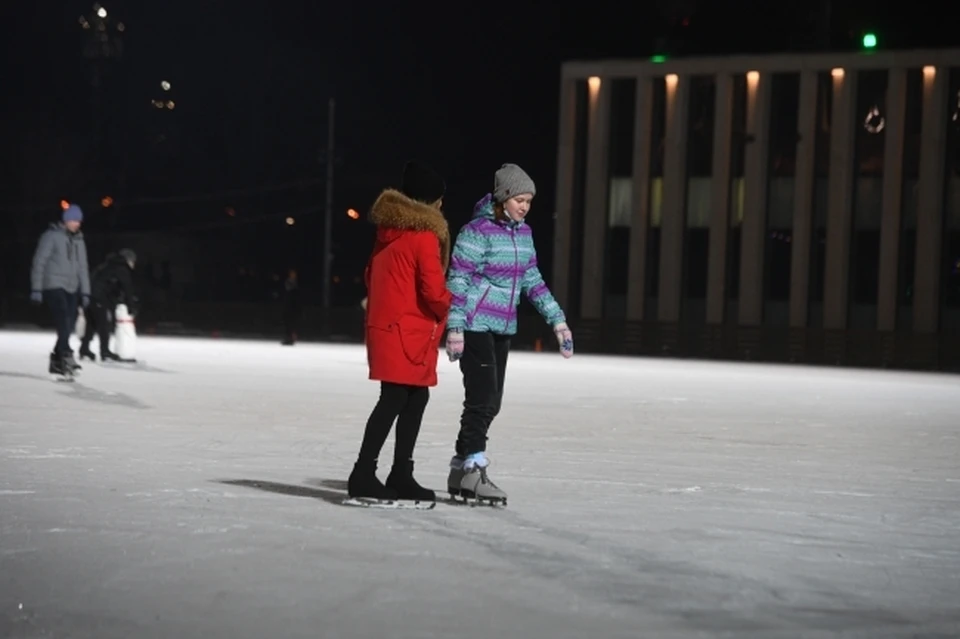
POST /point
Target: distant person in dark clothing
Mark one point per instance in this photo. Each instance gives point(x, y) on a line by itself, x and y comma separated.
point(291, 308)
point(59, 276)
point(112, 285)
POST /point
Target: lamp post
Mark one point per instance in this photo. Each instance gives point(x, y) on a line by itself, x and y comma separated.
point(103, 47)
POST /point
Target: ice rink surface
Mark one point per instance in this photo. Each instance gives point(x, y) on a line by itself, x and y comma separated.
point(196, 495)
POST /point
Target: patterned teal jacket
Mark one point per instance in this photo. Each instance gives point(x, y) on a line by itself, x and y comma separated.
point(491, 265)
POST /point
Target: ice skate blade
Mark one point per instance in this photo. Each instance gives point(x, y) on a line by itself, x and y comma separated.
point(389, 504)
point(472, 501)
point(62, 378)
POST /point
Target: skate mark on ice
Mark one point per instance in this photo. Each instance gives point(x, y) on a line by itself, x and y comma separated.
point(291, 490)
point(630, 583)
point(70, 452)
point(633, 581)
point(87, 394)
point(690, 489)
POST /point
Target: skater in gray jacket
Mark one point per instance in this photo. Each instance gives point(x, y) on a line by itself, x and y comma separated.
point(60, 275)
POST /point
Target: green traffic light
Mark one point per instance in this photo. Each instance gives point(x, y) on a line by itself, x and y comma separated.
point(869, 41)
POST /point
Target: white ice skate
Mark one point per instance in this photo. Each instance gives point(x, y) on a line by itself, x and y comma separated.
point(476, 487)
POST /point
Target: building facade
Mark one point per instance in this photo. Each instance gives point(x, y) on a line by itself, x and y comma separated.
point(786, 207)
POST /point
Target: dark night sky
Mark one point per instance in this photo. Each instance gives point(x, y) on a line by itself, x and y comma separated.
point(463, 86)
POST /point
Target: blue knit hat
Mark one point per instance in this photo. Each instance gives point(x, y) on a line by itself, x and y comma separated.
point(73, 213)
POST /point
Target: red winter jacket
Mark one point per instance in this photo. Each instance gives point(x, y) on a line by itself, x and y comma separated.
point(407, 296)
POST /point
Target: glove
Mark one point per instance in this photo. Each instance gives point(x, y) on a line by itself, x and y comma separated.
point(454, 345)
point(85, 300)
point(564, 339)
point(36, 297)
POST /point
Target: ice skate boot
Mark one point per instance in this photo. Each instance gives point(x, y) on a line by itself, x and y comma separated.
point(476, 486)
point(109, 356)
point(58, 368)
point(455, 476)
point(363, 483)
point(71, 363)
point(86, 353)
point(401, 480)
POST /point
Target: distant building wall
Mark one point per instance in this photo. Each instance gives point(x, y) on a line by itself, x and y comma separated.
point(745, 204)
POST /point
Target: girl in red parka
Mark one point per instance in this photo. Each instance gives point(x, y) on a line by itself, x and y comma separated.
point(407, 304)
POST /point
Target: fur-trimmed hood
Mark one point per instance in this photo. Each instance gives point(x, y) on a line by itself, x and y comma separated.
point(394, 212)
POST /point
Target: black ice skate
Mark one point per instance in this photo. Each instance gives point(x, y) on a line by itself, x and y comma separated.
point(59, 369)
point(86, 353)
point(110, 356)
point(365, 490)
point(455, 476)
point(363, 483)
point(71, 363)
point(401, 480)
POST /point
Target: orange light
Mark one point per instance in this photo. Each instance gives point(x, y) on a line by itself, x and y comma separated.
point(291, 221)
point(107, 202)
point(837, 73)
point(353, 214)
point(64, 205)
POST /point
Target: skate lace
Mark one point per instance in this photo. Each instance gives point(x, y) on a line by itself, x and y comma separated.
point(486, 480)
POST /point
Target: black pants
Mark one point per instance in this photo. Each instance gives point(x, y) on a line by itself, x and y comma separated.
point(99, 321)
point(400, 403)
point(484, 368)
point(63, 308)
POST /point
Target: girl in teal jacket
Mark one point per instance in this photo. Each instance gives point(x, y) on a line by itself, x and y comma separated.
point(494, 262)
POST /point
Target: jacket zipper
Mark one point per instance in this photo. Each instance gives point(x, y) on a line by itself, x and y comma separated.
point(516, 271)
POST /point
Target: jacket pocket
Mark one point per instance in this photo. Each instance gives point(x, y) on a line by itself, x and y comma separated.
point(472, 312)
point(417, 337)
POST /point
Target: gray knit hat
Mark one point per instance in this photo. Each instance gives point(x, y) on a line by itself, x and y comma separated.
point(509, 181)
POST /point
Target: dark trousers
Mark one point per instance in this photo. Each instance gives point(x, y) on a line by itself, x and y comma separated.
point(63, 308)
point(99, 321)
point(484, 368)
point(403, 404)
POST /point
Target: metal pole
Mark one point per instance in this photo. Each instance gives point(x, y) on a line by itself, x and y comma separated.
point(328, 216)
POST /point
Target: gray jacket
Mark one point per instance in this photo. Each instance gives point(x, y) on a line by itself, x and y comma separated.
point(60, 262)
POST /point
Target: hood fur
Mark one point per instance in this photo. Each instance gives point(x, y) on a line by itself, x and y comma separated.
point(394, 210)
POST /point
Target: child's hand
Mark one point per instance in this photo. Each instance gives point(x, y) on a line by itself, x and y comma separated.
point(454, 345)
point(564, 339)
